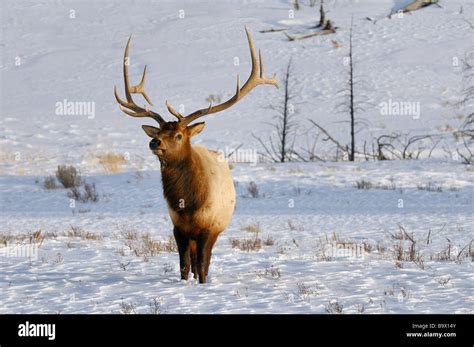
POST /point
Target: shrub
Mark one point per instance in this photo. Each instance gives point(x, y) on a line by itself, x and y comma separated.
point(89, 193)
point(78, 232)
point(50, 183)
point(269, 241)
point(272, 272)
point(430, 187)
point(156, 306)
point(128, 308)
point(363, 184)
point(252, 189)
point(334, 307)
point(68, 176)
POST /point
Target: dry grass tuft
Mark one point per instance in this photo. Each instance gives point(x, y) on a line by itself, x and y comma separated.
point(145, 246)
point(36, 237)
point(111, 162)
point(269, 241)
point(254, 244)
point(252, 228)
point(79, 232)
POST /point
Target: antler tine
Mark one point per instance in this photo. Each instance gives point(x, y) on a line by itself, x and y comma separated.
point(262, 77)
point(254, 80)
point(134, 114)
point(140, 88)
point(253, 56)
point(145, 113)
point(129, 107)
point(173, 111)
point(237, 91)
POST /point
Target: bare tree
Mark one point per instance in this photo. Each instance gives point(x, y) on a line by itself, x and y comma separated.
point(328, 137)
point(466, 153)
point(407, 146)
point(281, 148)
point(350, 105)
point(351, 96)
point(385, 142)
point(310, 150)
point(466, 131)
point(468, 81)
point(354, 101)
point(402, 146)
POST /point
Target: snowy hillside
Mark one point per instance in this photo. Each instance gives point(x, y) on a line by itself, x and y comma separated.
point(311, 237)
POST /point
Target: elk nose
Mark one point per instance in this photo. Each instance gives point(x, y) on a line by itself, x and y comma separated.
point(154, 144)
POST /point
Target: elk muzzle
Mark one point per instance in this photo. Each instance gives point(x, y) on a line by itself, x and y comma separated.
point(154, 144)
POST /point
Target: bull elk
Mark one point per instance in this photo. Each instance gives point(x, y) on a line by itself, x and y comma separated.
point(197, 184)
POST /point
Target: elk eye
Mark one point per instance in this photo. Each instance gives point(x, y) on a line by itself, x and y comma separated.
point(178, 137)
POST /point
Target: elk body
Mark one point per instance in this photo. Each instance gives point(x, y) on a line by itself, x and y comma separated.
point(197, 183)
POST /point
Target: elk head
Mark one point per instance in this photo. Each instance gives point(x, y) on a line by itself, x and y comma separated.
point(171, 141)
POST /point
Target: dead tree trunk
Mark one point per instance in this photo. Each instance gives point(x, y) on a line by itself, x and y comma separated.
point(284, 127)
point(351, 98)
point(414, 5)
point(322, 15)
point(417, 4)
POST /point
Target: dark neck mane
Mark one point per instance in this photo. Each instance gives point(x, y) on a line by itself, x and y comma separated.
point(184, 184)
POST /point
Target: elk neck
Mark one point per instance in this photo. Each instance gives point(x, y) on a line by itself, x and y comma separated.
point(184, 185)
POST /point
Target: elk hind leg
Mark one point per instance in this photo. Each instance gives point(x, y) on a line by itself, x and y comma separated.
point(210, 245)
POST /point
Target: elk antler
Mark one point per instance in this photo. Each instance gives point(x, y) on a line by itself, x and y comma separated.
point(254, 80)
point(130, 107)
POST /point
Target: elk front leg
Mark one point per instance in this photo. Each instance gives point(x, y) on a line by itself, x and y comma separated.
point(193, 251)
point(202, 243)
point(183, 248)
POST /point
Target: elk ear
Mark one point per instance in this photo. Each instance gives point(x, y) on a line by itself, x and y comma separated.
point(150, 131)
point(195, 128)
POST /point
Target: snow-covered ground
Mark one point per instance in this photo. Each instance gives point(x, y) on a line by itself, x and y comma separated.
point(326, 246)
